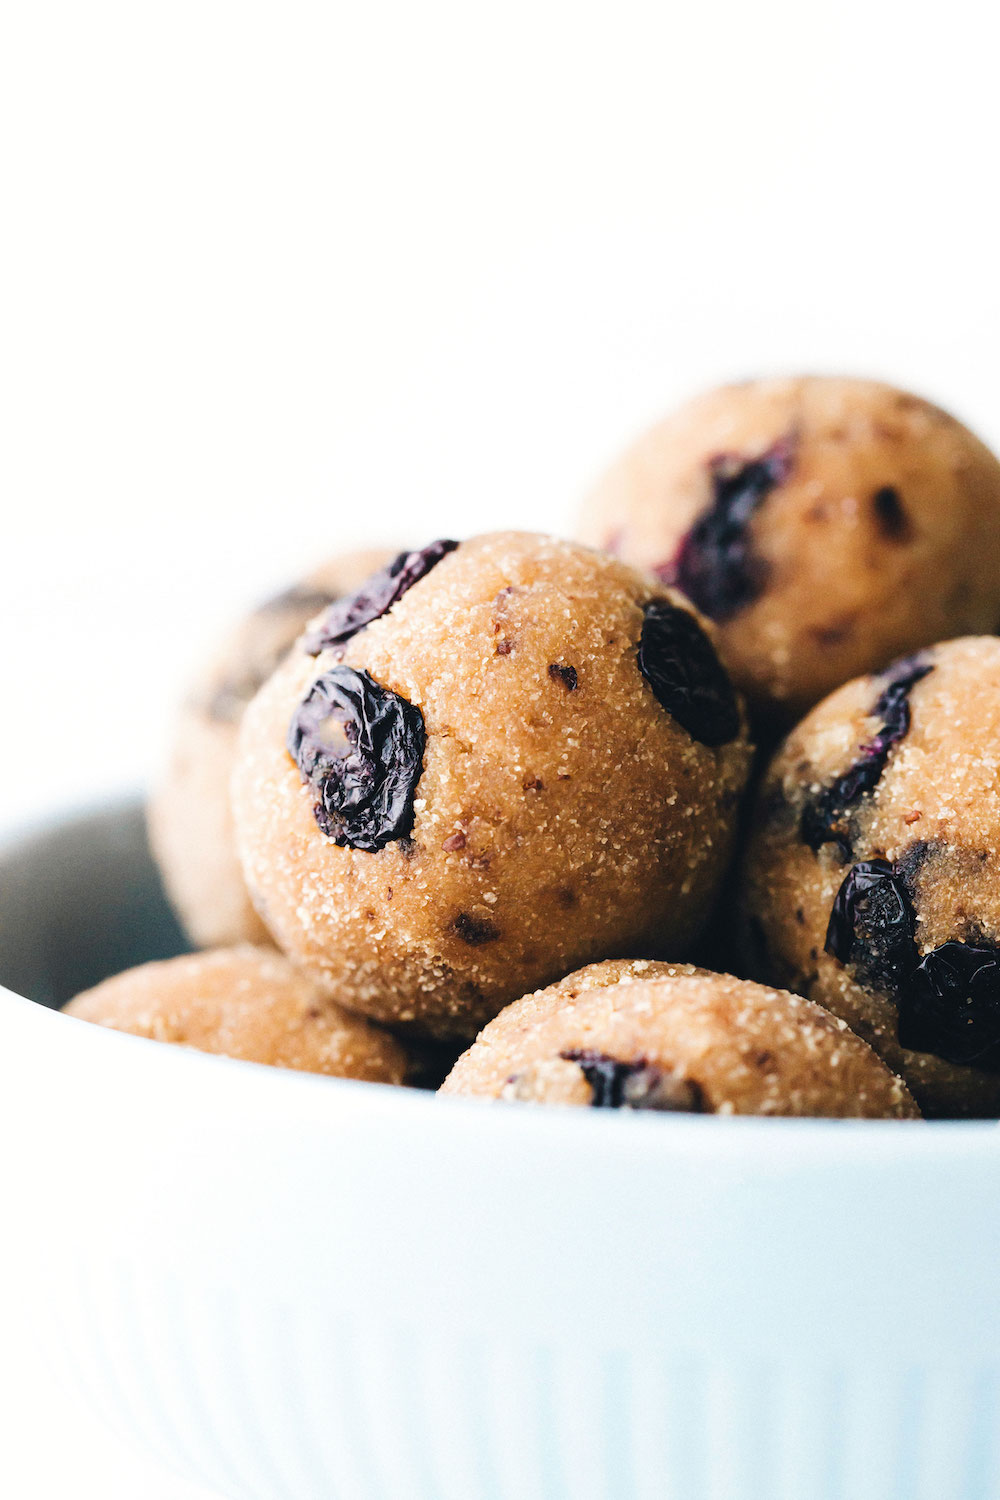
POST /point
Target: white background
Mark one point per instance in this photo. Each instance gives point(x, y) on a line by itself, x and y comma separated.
point(279, 278)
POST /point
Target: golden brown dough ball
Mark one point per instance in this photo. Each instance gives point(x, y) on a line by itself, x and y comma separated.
point(826, 525)
point(683, 1041)
point(248, 1003)
point(872, 881)
point(527, 759)
point(190, 823)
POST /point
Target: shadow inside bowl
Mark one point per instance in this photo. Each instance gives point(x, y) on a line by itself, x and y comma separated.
point(80, 901)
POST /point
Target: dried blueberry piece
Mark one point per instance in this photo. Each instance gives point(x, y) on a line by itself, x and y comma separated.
point(606, 1076)
point(952, 1005)
point(475, 930)
point(375, 597)
point(568, 676)
point(825, 821)
point(679, 662)
point(890, 514)
point(893, 706)
point(361, 747)
point(714, 564)
point(635, 1085)
point(872, 926)
point(949, 1000)
point(826, 818)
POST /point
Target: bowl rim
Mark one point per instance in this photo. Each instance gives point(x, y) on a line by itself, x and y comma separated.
point(287, 1092)
point(713, 1136)
point(37, 823)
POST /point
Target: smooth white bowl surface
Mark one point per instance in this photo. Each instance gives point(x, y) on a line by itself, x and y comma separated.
point(294, 1288)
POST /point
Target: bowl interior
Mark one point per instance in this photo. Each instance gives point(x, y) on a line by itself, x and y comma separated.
point(79, 901)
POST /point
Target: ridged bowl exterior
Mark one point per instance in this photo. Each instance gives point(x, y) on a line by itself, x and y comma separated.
point(292, 1288)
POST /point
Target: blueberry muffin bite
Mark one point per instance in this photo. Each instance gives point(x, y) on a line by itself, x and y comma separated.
point(825, 525)
point(872, 881)
point(190, 823)
point(678, 1041)
point(517, 756)
point(243, 1002)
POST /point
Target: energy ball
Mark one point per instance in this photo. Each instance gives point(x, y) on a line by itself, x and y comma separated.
point(826, 526)
point(684, 1041)
point(528, 758)
point(872, 881)
point(190, 823)
point(243, 1002)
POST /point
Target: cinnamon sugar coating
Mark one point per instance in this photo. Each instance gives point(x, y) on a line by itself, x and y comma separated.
point(561, 812)
point(248, 1003)
point(926, 839)
point(827, 525)
point(190, 822)
point(683, 1040)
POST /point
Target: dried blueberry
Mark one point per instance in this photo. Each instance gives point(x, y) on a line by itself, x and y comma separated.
point(679, 662)
point(893, 706)
point(826, 818)
point(475, 930)
point(913, 858)
point(890, 515)
point(715, 565)
point(375, 597)
point(635, 1085)
point(559, 672)
point(872, 925)
point(952, 1005)
point(949, 1000)
point(361, 747)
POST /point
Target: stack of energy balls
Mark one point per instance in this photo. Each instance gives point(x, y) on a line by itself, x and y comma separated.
point(508, 786)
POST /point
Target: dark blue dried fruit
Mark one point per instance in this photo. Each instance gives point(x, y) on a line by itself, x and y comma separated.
point(893, 706)
point(826, 818)
point(559, 672)
point(872, 926)
point(475, 930)
point(890, 514)
point(361, 747)
point(715, 564)
point(949, 1000)
point(375, 597)
point(635, 1085)
point(680, 664)
point(952, 1005)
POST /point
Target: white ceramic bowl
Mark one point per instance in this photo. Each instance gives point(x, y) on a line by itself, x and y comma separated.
point(292, 1288)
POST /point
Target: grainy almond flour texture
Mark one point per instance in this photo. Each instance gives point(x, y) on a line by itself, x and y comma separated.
point(190, 822)
point(826, 525)
point(531, 759)
point(677, 1040)
point(872, 881)
point(248, 1003)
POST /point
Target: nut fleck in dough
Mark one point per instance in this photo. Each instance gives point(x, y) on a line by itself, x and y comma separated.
point(244, 1002)
point(872, 881)
point(679, 1040)
point(489, 789)
point(190, 822)
point(826, 525)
